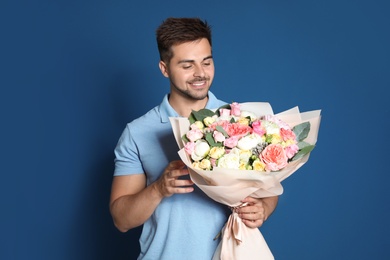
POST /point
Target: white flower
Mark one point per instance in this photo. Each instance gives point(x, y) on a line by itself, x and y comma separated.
point(197, 125)
point(245, 155)
point(208, 120)
point(201, 150)
point(230, 160)
point(217, 152)
point(250, 114)
point(249, 142)
point(270, 127)
point(205, 164)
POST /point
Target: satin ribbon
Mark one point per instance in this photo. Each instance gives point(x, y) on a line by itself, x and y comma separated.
point(232, 230)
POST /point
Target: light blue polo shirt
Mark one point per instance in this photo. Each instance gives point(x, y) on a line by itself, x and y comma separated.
point(183, 226)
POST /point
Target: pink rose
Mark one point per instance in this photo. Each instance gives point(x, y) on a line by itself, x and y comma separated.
point(231, 142)
point(235, 109)
point(257, 128)
point(194, 134)
point(274, 157)
point(189, 147)
point(277, 121)
point(218, 136)
point(224, 112)
point(291, 150)
point(287, 134)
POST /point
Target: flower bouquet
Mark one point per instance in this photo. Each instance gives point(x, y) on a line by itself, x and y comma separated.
point(240, 150)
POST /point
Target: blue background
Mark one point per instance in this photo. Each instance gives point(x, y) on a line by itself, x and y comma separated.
point(73, 73)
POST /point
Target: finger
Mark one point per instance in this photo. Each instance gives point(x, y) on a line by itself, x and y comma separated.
point(256, 208)
point(181, 190)
point(178, 173)
point(252, 216)
point(180, 183)
point(253, 223)
point(252, 200)
point(175, 165)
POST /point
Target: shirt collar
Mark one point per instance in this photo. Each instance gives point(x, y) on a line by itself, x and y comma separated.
point(167, 111)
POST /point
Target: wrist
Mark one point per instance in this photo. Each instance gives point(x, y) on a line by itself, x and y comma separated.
point(156, 190)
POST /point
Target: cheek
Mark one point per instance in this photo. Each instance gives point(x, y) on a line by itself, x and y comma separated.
point(210, 71)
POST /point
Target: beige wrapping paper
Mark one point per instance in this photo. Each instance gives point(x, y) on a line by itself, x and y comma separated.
point(229, 187)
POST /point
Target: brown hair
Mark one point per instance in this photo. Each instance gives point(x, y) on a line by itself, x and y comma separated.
point(175, 31)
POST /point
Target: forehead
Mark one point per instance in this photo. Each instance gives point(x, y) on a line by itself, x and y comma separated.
point(196, 50)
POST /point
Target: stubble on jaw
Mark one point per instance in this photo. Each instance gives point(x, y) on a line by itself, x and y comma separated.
point(191, 94)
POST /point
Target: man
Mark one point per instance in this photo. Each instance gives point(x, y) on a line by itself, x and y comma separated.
point(151, 186)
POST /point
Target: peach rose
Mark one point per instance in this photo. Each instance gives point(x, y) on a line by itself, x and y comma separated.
point(235, 129)
point(274, 157)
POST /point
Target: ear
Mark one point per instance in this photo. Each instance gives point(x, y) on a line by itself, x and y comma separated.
point(163, 68)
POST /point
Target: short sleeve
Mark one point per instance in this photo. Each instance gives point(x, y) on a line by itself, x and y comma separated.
point(127, 159)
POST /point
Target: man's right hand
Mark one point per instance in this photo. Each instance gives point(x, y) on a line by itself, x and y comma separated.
point(170, 183)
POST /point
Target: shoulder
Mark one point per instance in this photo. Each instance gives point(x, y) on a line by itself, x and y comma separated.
point(214, 102)
point(149, 118)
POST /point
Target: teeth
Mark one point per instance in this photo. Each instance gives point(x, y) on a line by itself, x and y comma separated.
point(198, 84)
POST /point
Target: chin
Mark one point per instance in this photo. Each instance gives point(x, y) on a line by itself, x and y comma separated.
point(200, 95)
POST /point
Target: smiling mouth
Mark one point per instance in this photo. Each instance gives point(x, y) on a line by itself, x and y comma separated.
point(199, 82)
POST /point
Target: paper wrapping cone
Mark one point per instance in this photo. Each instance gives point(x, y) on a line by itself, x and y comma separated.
point(229, 186)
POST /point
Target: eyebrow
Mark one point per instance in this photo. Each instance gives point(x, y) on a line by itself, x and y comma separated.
point(191, 61)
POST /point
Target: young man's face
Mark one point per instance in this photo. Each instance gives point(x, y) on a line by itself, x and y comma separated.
point(191, 69)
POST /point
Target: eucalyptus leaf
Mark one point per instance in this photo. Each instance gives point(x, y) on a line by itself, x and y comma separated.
point(220, 129)
point(302, 145)
point(302, 130)
point(192, 118)
point(185, 138)
point(202, 114)
point(209, 138)
point(303, 152)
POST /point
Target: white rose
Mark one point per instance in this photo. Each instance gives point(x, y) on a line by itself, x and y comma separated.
point(197, 125)
point(205, 164)
point(229, 161)
point(209, 121)
point(201, 150)
point(217, 152)
point(270, 127)
point(252, 116)
point(249, 142)
point(245, 155)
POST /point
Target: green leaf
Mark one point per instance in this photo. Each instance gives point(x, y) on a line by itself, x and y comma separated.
point(185, 138)
point(202, 114)
point(302, 145)
point(303, 152)
point(302, 130)
point(220, 129)
point(192, 118)
point(209, 138)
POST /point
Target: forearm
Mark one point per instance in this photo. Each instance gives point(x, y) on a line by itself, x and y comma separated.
point(130, 211)
point(269, 205)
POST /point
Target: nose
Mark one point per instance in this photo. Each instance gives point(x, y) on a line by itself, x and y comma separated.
point(199, 71)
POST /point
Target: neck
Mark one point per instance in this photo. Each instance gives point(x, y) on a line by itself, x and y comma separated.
point(184, 106)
